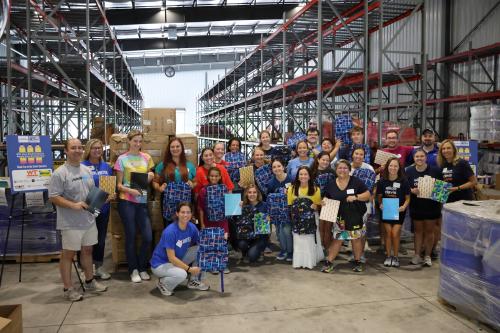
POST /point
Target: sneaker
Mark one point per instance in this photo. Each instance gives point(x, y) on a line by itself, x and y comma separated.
point(163, 289)
point(215, 272)
point(268, 250)
point(135, 277)
point(144, 276)
point(226, 270)
point(416, 260)
point(72, 295)
point(289, 258)
point(363, 259)
point(102, 274)
point(95, 286)
point(395, 262)
point(327, 267)
point(358, 267)
point(281, 256)
point(351, 258)
point(388, 262)
point(427, 261)
point(434, 254)
point(195, 284)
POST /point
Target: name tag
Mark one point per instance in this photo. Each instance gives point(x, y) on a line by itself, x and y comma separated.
point(396, 185)
point(350, 191)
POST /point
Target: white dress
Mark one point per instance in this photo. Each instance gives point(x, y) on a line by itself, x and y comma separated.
point(307, 251)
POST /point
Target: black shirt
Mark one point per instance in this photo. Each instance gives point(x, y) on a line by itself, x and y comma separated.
point(457, 175)
point(420, 208)
point(399, 188)
point(354, 187)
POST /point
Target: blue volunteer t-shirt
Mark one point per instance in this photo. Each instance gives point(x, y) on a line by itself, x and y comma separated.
point(174, 238)
point(101, 169)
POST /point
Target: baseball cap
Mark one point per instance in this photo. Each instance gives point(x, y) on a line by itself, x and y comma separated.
point(428, 130)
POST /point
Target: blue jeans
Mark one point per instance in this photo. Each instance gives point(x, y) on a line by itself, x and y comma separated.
point(136, 214)
point(102, 228)
point(284, 233)
point(252, 248)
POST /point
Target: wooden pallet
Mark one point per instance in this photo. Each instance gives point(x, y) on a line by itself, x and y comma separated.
point(33, 258)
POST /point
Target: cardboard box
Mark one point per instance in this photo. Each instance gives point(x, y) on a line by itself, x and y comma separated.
point(118, 248)
point(11, 318)
point(190, 142)
point(155, 214)
point(497, 181)
point(155, 145)
point(159, 121)
point(115, 223)
point(487, 194)
point(118, 144)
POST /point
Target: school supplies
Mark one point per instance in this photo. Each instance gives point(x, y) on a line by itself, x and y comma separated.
point(390, 209)
point(295, 139)
point(330, 210)
point(322, 180)
point(212, 252)
point(441, 191)
point(302, 216)
point(235, 161)
point(261, 224)
point(96, 198)
point(139, 180)
point(425, 186)
point(232, 204)
point(247, 176)
point(367, 176)
point(278, 208)
point(245, 224)
point(381, 157)
point(107, 184)
point(343, 125)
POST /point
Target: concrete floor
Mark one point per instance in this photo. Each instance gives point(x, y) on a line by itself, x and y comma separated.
point(270, 297)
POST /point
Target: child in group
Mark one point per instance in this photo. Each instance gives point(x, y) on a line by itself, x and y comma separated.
point(393, 184)
point(322, 173)
point(307, 250)
point(214, 178)
point(252, 249)
point(174, 257)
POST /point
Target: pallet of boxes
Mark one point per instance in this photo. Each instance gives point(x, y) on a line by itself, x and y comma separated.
point(158, 127)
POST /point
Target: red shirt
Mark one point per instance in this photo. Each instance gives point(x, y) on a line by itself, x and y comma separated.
point(202, 178)
point(402, 151)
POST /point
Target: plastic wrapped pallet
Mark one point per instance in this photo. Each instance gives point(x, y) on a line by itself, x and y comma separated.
point(470, 259)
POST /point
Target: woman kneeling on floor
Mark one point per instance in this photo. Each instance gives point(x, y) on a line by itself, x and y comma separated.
point(175, 255)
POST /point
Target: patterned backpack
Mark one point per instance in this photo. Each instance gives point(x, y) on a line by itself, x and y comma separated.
point(295, 138)
point(235, 162)
point(283, 153)
point(245, 224)
point(278, 208)
point(367, 176)
point(303, 218)
point(343, 124)
point(263, 177)
point(261, 224)
point(212, 250)
point(215, 202)
point(175, 193)
point(322, 180)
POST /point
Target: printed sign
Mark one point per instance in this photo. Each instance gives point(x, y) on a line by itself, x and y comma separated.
point(30, 162)
point(468, 150)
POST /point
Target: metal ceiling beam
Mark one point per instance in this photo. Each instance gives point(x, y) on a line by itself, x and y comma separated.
point(117, 17)
point(188, 42)
point(173, 60)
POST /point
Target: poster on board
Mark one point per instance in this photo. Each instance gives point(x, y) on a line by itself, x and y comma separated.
point(468, 150)
point(29, 159)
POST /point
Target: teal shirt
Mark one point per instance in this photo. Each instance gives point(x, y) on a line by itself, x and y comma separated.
point(177, 173)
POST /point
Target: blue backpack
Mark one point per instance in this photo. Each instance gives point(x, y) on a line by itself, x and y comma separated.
point(303, 217)
point(212, 250)
point(215, 202)
point(175, 193)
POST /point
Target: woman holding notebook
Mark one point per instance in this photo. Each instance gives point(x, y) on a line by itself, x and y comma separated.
point(92, 157)
point(393, 195)
point(133, 176)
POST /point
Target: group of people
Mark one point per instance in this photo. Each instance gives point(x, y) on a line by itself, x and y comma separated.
point(315, 171)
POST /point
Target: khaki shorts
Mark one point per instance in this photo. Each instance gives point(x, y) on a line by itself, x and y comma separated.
point(73, 240)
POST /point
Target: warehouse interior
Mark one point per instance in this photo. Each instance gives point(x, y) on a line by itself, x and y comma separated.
point(210, 70)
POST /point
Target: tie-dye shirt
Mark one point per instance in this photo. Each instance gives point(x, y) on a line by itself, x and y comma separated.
point(128, 163)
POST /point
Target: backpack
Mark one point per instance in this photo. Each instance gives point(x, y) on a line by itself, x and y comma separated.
point(283, 153)
point(367, 176)
point(302, 216)
point(215, 202)
point(245, 224)
point(235, 162)
point(212, 250)
point(175, 193)
point(261, 224)
point(263, 177)
point(322, 180)
point(295, 138)
point(343, 124)
point(278, 208)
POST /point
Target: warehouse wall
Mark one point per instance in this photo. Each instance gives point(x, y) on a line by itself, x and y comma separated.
point(179, 92)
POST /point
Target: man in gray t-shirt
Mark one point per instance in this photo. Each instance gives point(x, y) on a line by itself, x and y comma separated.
point(68, 189)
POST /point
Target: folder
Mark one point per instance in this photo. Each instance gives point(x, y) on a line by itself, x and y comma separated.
point(390, 209)
point(232, 204)
point(96, 198)
point(139, 180)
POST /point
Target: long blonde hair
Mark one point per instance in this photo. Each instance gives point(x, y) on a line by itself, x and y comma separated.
point(88, 146)
point(441, 160)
